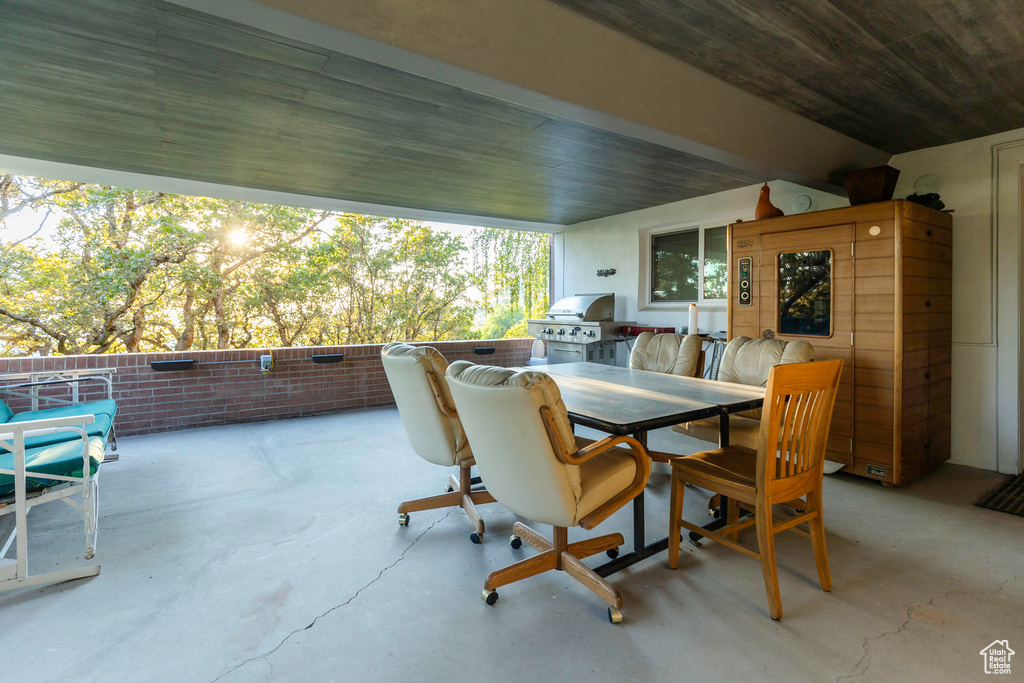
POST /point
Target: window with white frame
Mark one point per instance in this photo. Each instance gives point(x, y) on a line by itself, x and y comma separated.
point(688, 265)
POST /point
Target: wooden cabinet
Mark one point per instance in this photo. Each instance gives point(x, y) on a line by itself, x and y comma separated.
point(872, 285)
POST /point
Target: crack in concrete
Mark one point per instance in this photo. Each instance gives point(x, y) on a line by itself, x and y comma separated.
point(862, 665)
point(355, 595)
point(865, 658)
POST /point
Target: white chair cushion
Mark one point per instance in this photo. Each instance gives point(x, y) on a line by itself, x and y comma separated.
point(603, 477)
point(672, 354)
point(500, 410)
point(748, 361)
point(434, 436)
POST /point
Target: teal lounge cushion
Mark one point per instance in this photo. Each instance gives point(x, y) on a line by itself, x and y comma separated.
point(107, 407)
point(103, 411)
point(5, 412)
point(62, 459)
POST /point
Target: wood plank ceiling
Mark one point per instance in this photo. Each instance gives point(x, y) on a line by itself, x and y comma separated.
point(150, 87)
point(896, 75)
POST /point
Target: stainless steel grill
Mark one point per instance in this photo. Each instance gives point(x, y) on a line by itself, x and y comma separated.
point(579, 328)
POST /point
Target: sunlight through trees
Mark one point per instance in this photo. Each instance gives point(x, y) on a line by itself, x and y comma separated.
point(113, 269)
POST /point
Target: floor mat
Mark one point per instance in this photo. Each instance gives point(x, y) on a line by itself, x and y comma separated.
point(1008, 497)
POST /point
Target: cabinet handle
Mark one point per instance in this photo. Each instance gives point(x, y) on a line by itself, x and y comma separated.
point(928, 304)
point(927, 375)
point(929, 233)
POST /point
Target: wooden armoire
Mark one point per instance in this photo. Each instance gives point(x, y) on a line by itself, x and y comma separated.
point(870, 284)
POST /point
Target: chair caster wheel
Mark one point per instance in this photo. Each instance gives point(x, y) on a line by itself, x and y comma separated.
point(448, 488)
point(695, 542)
point(715, 506)
point(612, 553)
point(403, 519)
point(89, 556)
point(515, 542)
point(490, 596)
point(614, 615)
point(476, 538)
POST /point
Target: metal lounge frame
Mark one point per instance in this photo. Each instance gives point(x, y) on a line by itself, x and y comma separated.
point(43, 378)
point(14, 573)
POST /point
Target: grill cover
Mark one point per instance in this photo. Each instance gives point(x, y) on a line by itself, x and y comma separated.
point(583, 307)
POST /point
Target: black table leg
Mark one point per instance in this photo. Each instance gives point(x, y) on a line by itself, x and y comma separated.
point(639, 526)
point(639, 520)
point(641, 550)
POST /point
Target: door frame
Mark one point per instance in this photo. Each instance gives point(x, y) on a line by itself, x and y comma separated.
point(1007, 215)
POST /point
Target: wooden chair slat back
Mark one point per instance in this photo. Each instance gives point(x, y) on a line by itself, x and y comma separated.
point(796, 418)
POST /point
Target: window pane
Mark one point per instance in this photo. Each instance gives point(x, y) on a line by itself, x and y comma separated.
point(805, 293)
point(715, 259)
point(674, 262)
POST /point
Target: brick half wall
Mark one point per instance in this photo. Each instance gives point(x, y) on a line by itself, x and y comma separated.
point(226, 386)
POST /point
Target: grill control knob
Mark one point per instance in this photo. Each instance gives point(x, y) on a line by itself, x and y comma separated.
point(588, 333)
point(561, 330)
point(573, 333)
point(547, 330)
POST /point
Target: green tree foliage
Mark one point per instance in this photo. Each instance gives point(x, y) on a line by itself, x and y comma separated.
point(84, 294)
point(513, 268)
point(393, 280)
point(131, 270)
point(503, 319)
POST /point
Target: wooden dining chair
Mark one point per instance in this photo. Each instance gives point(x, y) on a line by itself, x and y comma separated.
point(747, 361)
point(534, 466)
point(785, 469)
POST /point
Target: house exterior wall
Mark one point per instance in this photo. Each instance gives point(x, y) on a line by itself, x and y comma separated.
point(986, 277)
point(226, 386)
point(986, 282)
point(615, 242)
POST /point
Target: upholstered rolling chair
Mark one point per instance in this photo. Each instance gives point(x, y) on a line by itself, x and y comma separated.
point(416, 375)
point(785, 469)
point(673, 354)
point(537, 468)
point(748, 361)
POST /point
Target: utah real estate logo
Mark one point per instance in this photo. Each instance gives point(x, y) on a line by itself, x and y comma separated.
point(997, 657)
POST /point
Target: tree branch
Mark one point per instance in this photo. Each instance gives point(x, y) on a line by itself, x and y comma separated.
point(35, 323)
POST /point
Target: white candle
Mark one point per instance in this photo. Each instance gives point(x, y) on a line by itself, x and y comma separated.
point(693, 319)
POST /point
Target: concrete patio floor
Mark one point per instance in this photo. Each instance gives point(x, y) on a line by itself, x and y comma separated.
point(271, 552)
